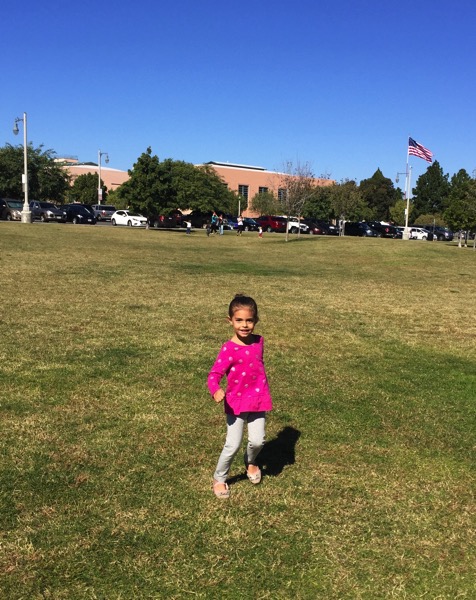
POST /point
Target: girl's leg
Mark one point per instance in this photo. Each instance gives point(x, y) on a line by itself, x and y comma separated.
point(256, 436)
point(234, 434)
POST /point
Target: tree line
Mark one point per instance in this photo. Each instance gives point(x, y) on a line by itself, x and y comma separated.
point(156, 187)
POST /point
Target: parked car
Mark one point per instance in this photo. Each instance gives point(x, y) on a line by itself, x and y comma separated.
point(315, 228)
point(294, 225)
point(169, 220)
point(270, 223)
point(79, 214)
point(103, 212)
point(230, 221)
point(47, 211)
point(361, 229)
point(441, 234)
point(384, 229)
point(330, 227)
point(126, 217)
point(418, 233)
point(250, 224)
point(197, 218)
point(10, 209)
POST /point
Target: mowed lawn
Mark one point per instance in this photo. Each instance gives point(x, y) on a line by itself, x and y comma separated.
point(109, 437)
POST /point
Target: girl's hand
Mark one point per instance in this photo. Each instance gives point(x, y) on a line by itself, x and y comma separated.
point(218, 396)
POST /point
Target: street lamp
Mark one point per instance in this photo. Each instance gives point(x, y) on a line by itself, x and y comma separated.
point(106, 160)
point(408, 175)
point(25, 213)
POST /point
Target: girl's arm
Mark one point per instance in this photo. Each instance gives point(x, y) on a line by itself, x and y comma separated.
point(217, 372)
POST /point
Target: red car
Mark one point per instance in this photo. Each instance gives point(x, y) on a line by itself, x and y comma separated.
point(269, 223)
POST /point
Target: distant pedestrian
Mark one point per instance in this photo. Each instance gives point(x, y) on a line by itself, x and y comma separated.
point(188, 225)
point(208, 228)
point(260, 232)
point(214, 222)
point(239, 221)
point(341, 226)
point(220, 224)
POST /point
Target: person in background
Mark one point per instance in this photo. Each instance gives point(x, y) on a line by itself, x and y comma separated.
point(239, 220)
point(214, 222)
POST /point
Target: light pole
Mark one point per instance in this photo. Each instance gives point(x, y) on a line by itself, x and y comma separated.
point(106, 160)
point(408, 175)
point(25, 213)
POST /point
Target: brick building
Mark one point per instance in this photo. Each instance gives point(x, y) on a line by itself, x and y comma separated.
point(247, 181)
point(112, 178)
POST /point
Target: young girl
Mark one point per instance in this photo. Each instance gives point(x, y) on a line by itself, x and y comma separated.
point(247, 397)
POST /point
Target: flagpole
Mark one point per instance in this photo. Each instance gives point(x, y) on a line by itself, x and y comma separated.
point(406, 231)
point(419, 150)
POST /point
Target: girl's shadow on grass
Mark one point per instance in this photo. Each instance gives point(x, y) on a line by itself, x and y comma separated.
point(275, 455)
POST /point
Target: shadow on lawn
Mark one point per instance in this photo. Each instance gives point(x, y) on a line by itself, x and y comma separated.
point(275, 455)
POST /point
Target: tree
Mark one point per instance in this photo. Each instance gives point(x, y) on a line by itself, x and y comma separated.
point(397, 212)
point(143, 191)
point(379, 193)
point(114, 199)
point(155, 187)
point(347, 201)
point(426, 219)
point(299, 185)
point(264, 203)
point(211, 192)
point(461, 211)
point(47, 180)
point(318, 205)
point(85, 189)
point(430, 195)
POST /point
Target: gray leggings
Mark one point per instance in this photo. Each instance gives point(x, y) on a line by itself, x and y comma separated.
point(234, 435)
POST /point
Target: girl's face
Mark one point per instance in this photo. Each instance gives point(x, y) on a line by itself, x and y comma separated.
point(243, 322)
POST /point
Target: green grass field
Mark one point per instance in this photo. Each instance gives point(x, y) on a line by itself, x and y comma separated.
point(110, 438)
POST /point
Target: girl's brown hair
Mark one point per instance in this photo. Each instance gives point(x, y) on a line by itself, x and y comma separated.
point(242, 301)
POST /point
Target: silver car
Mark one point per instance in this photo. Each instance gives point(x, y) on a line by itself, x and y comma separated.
point(103, 212)
point(46, 211)
point(10, 209)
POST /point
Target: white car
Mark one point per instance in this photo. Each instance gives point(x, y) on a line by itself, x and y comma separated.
point(294, 225)
point(125, 217)
point(418, 233)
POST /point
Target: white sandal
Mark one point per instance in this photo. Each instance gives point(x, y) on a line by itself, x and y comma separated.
point(222, 494)
point(254, 477)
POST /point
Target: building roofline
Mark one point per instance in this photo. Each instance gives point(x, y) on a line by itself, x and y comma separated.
point(234, 166)
point(92, 166)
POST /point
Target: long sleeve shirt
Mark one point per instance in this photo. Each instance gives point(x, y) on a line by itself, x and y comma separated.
point(247, 387)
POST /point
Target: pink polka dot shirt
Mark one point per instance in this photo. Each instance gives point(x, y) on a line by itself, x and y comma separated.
point(247, 387)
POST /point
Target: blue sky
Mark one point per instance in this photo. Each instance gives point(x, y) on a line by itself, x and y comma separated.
point(340, 84)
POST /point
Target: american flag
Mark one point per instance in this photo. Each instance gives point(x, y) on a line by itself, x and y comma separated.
point(418, 150)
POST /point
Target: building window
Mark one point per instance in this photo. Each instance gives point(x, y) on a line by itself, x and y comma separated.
point(243, 192)
point(282, 194)
point(262, 190)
